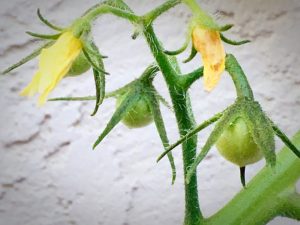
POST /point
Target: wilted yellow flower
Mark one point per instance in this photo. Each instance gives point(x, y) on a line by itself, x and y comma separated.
point(208, 43)
point(54, 63)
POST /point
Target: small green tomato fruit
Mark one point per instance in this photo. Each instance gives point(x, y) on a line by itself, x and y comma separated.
point(139, 116)
point(237, 145)
point(79, 66)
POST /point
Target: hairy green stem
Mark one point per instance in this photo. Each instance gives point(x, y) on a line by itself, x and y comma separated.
point(194, 6)
point(153, 14)
point(268, 190)
point(185, 120)
point(93, 13)
point(188, 79)
point(179, 97)
point(239, 78)
point(264, 197)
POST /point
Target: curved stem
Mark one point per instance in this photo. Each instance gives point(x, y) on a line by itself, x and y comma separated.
point(239, 78)
point(96, 11)
point(153, 14)
point(193, 6)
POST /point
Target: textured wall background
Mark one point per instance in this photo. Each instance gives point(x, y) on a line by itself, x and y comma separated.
point(50, 176)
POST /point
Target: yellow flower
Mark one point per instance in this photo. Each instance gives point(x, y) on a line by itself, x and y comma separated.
point(208, 43)
point(54, 63)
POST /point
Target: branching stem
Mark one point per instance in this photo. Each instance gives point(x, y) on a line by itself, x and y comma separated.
point(186, 122)
point(153, 14)
point(264, 193)
point(95, 12)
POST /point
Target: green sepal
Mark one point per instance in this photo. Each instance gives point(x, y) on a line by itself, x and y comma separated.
point(199, 128)
point(99, 74)
point(129, 101)
point(90, 47)
point(260, 128)
point(93, 61)
point(99, 78)
point(85, 98)
point(153, 102)
point(180, 50)
point(34, 54)
point(149, 73)
point(285, 140)
point(46, 22)
point(232, 42)
point(88, 98)
point(192, 55)
point(228, 117)
point(225, 27)
point(44, 36)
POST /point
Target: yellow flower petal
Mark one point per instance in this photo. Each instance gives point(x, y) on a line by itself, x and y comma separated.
point(54, 64)
point(32, 88)
point(208, 43)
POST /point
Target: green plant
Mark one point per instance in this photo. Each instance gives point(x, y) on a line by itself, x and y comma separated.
point(272, 191)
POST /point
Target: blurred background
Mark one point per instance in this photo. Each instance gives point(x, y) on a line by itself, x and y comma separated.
point(48, 173)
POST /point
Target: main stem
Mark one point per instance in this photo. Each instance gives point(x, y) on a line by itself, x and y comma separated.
point(186, 122)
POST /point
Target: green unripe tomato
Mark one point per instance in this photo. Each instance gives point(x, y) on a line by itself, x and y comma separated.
point(79, 66)
point(237, 145)
point(139, 116)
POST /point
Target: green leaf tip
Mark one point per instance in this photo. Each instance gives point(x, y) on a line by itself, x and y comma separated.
point(153, 102)
point(286, 140)
point(232, 42)
point(46, 22)
point(100, 89)
point(180, 50)
point(191, 56)
point(132, 98)
point(225, 27)
point(86, 98)
point(44, 36)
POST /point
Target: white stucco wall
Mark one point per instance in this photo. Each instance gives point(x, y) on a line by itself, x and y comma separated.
point(48, 173)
